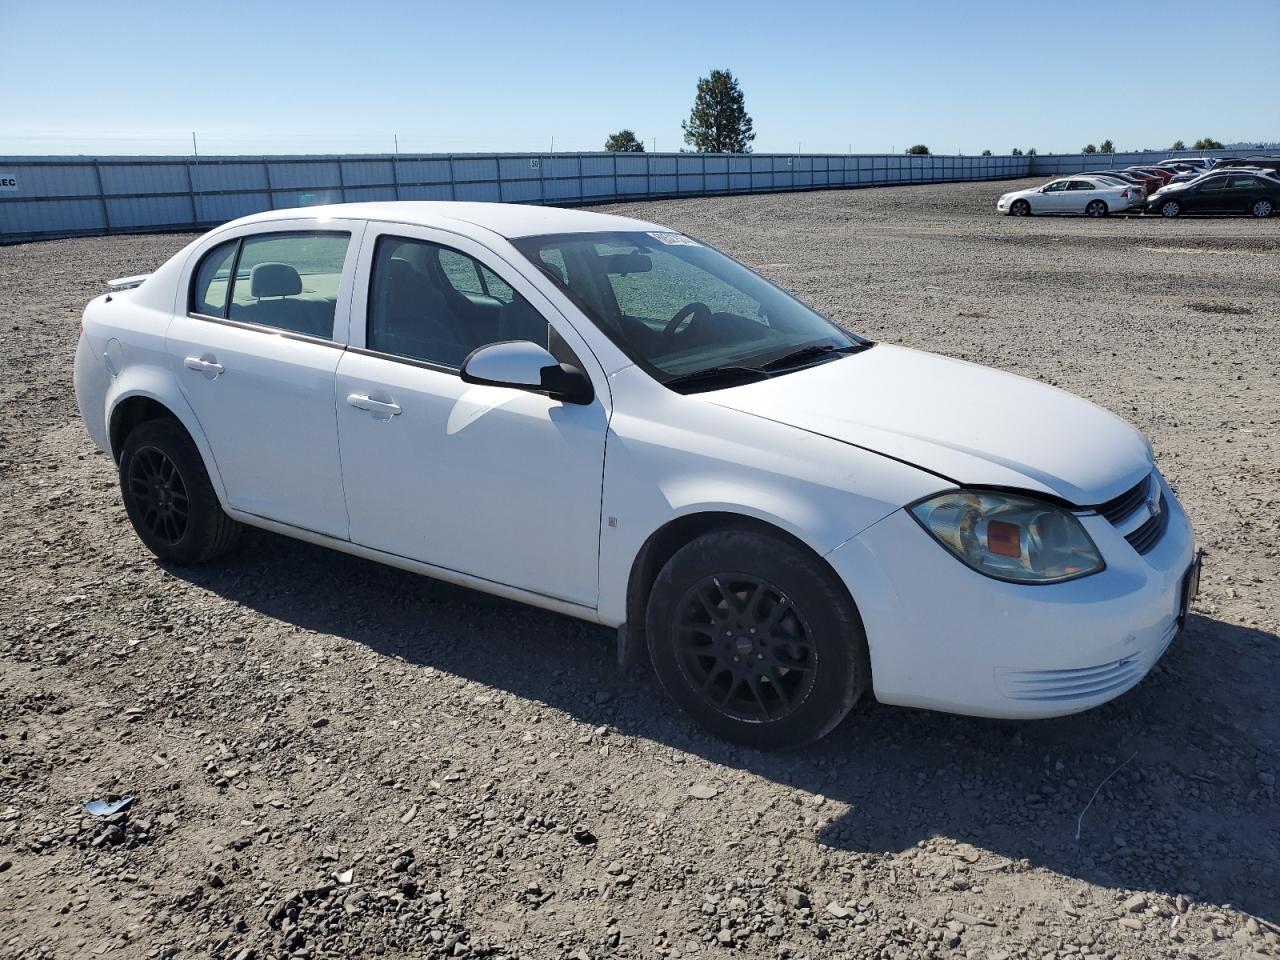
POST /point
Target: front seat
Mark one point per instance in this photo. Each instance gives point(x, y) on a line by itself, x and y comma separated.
point(413, 319)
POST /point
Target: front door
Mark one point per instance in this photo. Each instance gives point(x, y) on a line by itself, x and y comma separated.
point(1053, 200)
point(255, 351)
point(493, 482)
point(1212, 196)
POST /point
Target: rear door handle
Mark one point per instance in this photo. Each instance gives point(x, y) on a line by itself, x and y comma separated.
point(208, 367)
point(381, 409)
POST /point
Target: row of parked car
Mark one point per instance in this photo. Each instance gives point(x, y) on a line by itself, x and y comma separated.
point(1170, 188)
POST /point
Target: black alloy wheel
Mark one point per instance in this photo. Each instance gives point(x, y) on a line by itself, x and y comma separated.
point(159, 495)
point(169, 497)
point(745, 648)
point(756, 638)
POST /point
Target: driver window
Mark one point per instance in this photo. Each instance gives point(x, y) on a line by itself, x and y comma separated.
point(1055, 186)
point(656, 294)
point(429, 302)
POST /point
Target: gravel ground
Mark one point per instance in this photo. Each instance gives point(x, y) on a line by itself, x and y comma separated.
point(331, 758)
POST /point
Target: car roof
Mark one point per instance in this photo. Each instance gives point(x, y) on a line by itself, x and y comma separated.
point(506, 219)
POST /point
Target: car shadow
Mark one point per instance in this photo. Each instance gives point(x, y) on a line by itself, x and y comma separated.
point(1186, 813)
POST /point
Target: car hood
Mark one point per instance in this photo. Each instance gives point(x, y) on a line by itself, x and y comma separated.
point(1020, 193)
point(967, 423)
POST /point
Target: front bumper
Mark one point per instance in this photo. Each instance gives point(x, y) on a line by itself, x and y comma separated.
point(945, 637)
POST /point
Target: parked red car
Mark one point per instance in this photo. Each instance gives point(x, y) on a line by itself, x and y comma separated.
point(1149, 181)
point(1163, 175)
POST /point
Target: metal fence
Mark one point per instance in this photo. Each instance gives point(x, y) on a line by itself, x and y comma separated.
point(1054, 163)
point(44, 197)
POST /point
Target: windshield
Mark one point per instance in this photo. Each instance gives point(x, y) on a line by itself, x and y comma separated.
point(682, 310)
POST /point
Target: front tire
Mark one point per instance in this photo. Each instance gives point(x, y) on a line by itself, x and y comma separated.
point(1020, 208)
point(1170, 209)
point(1262, 209)
point(1096, 208)
point(756, 639)
point(168, 496)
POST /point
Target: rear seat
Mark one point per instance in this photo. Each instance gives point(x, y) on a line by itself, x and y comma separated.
point(279, 302)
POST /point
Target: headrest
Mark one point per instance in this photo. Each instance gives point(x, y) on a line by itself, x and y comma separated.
point(274, 280)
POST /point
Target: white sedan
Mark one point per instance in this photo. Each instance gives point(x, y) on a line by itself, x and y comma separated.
point(612, 420)
point(1089, 195)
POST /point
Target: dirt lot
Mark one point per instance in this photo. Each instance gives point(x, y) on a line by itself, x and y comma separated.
point(335, 759)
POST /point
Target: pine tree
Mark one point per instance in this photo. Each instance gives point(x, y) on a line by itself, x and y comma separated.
point(718, 122)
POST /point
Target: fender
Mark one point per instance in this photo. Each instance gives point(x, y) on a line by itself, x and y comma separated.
point(687, 456)
point(158, 384)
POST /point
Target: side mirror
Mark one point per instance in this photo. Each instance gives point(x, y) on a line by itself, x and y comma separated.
point(523, 365)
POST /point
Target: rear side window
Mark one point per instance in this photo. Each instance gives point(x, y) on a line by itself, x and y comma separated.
point(1081, 185)
point(1246, 182)
point(213, 279)
point(289, 281)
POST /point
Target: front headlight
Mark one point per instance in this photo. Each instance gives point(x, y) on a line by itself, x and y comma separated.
point(1010, 537)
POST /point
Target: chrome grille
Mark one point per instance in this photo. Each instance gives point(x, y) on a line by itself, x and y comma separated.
point(1141, 513)
point(1120, 508)
point(1149, 534)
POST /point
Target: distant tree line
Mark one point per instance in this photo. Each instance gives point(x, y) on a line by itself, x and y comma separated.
point(719, 123)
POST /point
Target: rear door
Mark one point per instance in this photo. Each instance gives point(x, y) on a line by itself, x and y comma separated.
point(1078, 195)
point(255, 349)
point(1243, 191)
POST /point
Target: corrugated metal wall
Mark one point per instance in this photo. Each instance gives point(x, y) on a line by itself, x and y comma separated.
point(69, 196)
point(1053, 163)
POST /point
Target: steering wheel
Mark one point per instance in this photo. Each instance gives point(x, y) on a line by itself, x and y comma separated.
point(696, 310)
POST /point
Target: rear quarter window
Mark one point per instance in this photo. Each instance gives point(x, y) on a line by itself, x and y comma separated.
point(212, 279)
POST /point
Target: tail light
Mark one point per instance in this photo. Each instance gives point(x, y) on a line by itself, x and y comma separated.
point(1124, 194)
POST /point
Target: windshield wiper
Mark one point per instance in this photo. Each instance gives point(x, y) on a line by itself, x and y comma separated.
point(811, 352)
point(716, 377)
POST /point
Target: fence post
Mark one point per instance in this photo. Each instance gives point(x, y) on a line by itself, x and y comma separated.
point(271, 194)
point(191, 193)
point(102, 197)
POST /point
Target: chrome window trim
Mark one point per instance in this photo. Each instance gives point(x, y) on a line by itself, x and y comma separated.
point(409, 361)
point(263, 328)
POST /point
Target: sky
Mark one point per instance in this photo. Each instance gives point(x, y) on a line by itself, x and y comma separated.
point(277, 76)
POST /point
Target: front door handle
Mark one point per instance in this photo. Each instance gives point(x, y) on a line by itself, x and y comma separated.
point(381, 409)
point(209, 368)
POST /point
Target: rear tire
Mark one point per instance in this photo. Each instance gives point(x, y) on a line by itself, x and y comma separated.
point(1170, 209)
point(168, 496)
point(1096, 208)
point(1262, 209)
point(1020, 208)
point(756, 639)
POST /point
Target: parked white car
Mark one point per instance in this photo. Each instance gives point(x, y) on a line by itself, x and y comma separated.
point(1089, 195)
point(609, 419)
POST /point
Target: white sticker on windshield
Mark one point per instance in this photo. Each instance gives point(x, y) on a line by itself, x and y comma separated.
point(675, 239)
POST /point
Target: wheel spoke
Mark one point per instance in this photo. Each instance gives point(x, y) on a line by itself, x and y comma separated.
point(757, 691)
point(712, 608)
point(778, 682)
point(734, 682)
